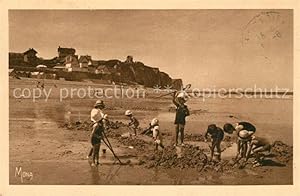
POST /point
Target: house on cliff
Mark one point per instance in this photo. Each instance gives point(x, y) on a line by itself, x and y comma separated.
point(64, 52)
point(30, 55)
point(102, 69)
point(85, 62)
point(72, 64)
point(26, 58)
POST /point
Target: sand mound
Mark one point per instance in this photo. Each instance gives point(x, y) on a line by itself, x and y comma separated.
point(78, 125)
point(282, 151)
point(87, 125)
point(191, 157)
point(137, 143)
point(194, 137)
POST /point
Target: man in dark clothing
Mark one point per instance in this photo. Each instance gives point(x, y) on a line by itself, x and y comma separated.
point(217, 135)
point(181, 112)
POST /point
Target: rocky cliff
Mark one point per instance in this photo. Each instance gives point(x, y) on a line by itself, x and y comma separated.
point(136, 73)
point(126, 71)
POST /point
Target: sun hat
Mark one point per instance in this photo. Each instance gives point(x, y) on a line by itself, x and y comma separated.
point(99, 103)
point(154, 121)
point(128, 112)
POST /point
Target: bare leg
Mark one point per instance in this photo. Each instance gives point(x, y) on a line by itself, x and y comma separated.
point(96, 153)
point(135, 128)
point(91, 152)
point(239, 143)
point(213, 145)
point(177, 133)
point(244, 149)
point(181, 129)
point(218, 146)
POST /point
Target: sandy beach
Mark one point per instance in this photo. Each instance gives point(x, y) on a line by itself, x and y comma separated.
point(40, 143)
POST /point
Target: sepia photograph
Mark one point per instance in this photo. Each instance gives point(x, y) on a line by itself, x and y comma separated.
point(151, 97)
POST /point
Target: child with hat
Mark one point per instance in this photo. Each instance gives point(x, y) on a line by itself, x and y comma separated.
point(134, 123)
point(96, 117)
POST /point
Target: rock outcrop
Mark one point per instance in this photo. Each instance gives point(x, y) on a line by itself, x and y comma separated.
point(129, 71)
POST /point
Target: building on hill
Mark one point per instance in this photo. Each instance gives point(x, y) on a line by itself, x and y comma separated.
point(27, 58)
point(30, 55)
point(63, 52)
point(72, 64)
point(60, 67)
point(85, 62)
point(129, 59)
point(102, 69)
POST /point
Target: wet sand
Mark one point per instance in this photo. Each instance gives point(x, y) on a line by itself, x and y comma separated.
point(56, 155)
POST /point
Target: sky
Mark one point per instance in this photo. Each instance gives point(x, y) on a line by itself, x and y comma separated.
point(207, 48)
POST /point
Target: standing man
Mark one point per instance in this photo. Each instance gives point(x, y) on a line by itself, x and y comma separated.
point(96, 117)
point(181, 112)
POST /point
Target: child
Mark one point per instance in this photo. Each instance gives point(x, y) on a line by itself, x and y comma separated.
point(217, 136)
point(258, 146)
point(96, 118)
point(244, 132)
point(156, 133)
point(148, 131)
point(181, 113)
point(134, 123)
point(240, 126)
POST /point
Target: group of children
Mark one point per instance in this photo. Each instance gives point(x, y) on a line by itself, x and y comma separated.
point(246, 142)
point(100, 124)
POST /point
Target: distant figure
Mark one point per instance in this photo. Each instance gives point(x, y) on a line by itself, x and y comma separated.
point(134, 123)
point(181, 113)
point(217, 135)
point(157, 136)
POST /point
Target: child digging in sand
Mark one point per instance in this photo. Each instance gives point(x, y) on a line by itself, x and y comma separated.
point(157, 137)
point(134, 123)
point(244, 132)
point(216, 134)
point(258, 147)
